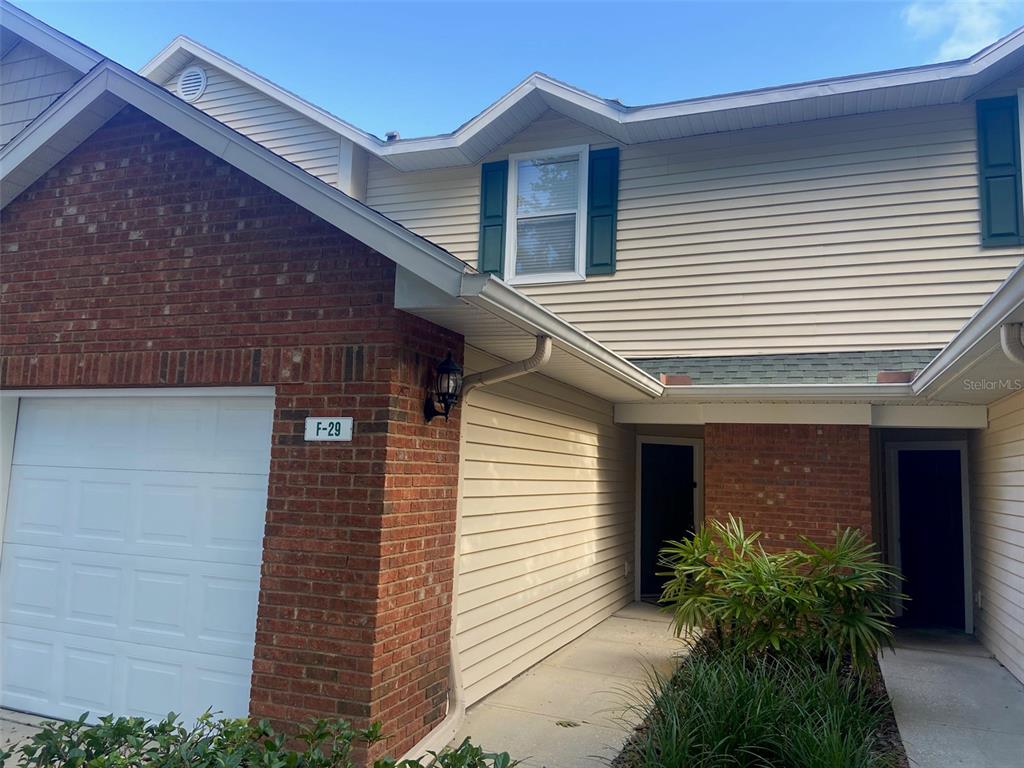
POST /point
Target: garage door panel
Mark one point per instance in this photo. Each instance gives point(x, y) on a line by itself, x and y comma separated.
point(131, 557)
point(194, 516)
point(167, 433)
point(206, 607)
point(65, 675)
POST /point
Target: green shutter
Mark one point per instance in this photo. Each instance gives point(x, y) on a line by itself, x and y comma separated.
point(493, 199)
point(602, 210)
point(999, 172)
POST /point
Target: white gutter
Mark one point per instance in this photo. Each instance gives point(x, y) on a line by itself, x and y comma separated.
point(1007, 298)
point(1011, 337)
point(491, 294)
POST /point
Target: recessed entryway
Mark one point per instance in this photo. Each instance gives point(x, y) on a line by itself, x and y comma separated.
point(929, 541)
point(669, 485)
point(132, 548)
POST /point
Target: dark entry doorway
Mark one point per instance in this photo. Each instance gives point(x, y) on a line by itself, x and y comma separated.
point(929, 521)
point(668, 488)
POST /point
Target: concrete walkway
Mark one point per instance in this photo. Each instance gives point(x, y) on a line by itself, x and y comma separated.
point(954, 703)
point(16, 727)
point(569, 710)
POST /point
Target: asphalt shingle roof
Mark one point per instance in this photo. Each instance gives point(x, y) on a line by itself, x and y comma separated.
point(800, 368)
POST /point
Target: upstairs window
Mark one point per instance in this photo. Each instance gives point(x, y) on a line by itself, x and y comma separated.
point(550, 216)
point(547, 214)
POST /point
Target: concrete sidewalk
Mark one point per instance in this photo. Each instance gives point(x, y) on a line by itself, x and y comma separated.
point(16, 727)
point(568, 711)
point(954, 703)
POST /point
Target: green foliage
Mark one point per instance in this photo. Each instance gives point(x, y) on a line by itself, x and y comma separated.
point(830, 602)
point(133, 742)
point(466, 755)
point(733, 710)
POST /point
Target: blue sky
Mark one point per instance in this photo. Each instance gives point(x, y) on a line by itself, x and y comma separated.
point(426, 67)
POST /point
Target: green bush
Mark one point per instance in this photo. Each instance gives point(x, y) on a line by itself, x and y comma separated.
point(732, 709)
point(830, 602)
point(133, 742)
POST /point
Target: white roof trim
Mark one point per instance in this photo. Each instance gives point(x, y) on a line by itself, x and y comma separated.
point(157, 70)
point(498, 298)
point(468, 144)
point(975, 338)
point(43, 36)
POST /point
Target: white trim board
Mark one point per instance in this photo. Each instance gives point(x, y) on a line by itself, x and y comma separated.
point(892, 512)
point(782, 412)
point(697, 443)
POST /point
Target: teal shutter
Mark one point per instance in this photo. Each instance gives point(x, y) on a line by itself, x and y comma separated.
point(999, 172)
point(493, 199)
point(602, 210)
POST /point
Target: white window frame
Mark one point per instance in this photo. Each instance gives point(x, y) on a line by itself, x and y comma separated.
point(512, 219)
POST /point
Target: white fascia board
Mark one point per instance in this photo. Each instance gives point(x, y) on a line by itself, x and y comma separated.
point(43, 36)
point(786, 392)
point(181, 44)
point(907, 416)
point(415, 253)
point(490, 293)
point(970, 342)
point(743, 413)
point(930, 416)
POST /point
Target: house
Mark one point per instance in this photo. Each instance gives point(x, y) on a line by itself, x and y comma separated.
point(801, 305)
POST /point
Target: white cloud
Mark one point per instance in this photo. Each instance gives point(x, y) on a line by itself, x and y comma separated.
point(963, 26)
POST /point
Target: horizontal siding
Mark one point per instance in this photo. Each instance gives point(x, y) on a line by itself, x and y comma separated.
point(281, 130)
point(848, 233)
point(546, 524)
point(997, 510)
point(30, 80)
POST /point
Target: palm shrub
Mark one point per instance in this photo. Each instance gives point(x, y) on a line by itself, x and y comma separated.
point(830, 602)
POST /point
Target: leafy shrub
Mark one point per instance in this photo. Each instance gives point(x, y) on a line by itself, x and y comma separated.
point(732, 709)
point(133, 742)
point(830, 602)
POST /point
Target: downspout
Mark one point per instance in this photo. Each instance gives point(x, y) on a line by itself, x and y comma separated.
point(541, 355)
point(445, 731)
point(1011, 336)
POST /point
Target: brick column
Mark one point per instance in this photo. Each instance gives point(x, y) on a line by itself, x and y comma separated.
point(788, 480)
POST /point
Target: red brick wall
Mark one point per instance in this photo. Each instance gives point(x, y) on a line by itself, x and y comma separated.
point(141, 260)
point(788, 479)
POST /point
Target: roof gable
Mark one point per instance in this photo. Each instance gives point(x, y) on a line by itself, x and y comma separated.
point(18, 23)
point(945, 83)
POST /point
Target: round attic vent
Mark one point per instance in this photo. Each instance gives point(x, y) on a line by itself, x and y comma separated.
point(192, 83)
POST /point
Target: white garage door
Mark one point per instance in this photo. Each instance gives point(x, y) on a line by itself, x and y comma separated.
point(131, 554)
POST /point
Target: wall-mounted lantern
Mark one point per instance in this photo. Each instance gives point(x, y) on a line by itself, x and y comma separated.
point(445, 392)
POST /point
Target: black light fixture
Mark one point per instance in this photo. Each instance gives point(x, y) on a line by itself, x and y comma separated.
point(446, 389)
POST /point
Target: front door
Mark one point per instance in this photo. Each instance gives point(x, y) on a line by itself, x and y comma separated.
point(667, 486)
point(931, 537)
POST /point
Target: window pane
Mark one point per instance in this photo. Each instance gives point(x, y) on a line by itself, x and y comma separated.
point(548, 185)
point(546, 244)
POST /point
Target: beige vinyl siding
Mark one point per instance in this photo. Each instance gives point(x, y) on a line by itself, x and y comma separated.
point(30, 80)
point(848, 233)
point(281, 130)
point(997, 511)
point(546, 524)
